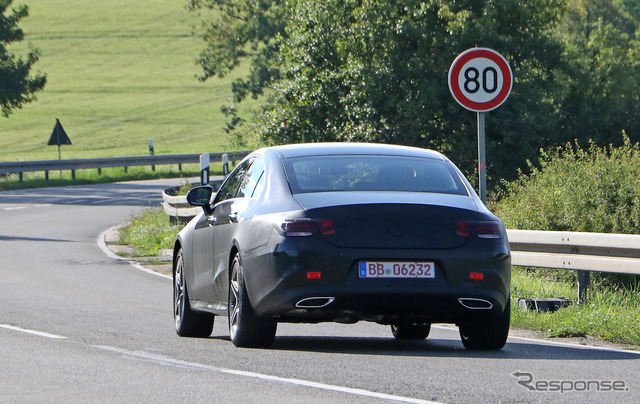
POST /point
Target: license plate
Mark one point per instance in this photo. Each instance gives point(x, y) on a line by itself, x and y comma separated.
point(387, 269)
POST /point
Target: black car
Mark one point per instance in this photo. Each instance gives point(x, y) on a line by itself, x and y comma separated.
point(343, 232)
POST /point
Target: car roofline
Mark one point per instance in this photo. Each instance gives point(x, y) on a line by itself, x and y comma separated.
point(346, 148)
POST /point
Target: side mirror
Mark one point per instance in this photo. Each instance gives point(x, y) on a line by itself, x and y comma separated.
point(200, 196)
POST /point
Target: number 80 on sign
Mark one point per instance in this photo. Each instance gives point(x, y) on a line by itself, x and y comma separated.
point(480, 79)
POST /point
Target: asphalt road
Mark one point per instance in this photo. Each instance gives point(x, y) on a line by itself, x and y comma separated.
point(77, 325)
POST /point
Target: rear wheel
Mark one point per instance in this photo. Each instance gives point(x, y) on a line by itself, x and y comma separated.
point(490, 334)
point(188, 323)
point(408, 331)
point(246, 329)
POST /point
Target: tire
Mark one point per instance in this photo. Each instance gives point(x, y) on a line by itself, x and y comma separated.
point(489, 334)
point(187, 322)
point(408, 331)
point(246, 329)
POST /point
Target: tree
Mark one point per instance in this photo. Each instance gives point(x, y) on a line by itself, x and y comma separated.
point(17, 85)
point(376, 71)
point(630, 6)
point(240, 30)
point(600, 95)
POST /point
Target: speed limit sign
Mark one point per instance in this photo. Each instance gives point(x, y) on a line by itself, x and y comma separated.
point(480, 79)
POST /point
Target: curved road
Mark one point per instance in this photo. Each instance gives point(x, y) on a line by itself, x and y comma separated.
point(79, 326)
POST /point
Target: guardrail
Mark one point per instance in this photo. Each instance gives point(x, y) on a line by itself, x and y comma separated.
point(584, 252)
point(21, 167)
point(177, 207)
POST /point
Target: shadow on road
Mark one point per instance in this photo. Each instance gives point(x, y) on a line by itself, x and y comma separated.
point(13, 238)
point(112, 194)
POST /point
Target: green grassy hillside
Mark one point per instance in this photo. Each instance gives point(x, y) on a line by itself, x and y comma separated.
point(119, 72)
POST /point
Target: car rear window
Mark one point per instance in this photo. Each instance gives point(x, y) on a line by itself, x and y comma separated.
point(372, 173)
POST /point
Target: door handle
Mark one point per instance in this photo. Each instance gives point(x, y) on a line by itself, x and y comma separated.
point(211, 220)
point(233, 217)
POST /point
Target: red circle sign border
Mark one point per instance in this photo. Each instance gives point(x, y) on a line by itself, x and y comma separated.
point(495, 57)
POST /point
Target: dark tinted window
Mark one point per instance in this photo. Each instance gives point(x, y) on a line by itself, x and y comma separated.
point(230, 187)
point(372, 173)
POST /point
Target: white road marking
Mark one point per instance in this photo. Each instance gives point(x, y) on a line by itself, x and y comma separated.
point(103, 246)
point(572, 345)
point(15, 208)
point(33, 332)
point(550, 342)
point(164, 360)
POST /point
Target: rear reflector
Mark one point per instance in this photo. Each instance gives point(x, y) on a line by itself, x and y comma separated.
point(314, 275)
point(476, 276)
point(464, 228)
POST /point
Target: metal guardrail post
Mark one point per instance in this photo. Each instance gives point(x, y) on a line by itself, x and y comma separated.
point(584, 285)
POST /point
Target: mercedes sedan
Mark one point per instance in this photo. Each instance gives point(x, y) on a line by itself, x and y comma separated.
point(343, 232)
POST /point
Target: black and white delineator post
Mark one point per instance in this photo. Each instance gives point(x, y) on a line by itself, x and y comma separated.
point(204, 169)
point(480, 80)
point(225, 164)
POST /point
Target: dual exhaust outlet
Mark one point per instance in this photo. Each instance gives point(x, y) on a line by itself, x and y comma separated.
point(315, 302)
point(471, 303)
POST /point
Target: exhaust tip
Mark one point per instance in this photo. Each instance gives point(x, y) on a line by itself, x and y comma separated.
point(473, 303)
point(314, 302)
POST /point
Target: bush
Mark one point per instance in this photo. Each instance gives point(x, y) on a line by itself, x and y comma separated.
point(594, 190)
point(573, 189)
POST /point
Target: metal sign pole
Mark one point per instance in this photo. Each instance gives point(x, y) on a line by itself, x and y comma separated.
point(482, 159)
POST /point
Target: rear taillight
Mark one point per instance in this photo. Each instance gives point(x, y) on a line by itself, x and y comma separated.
point(307, 227)
point(491, 230)
point(486, 229)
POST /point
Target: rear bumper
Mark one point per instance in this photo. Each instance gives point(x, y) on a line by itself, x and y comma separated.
point(382, 307)
point(277, 283)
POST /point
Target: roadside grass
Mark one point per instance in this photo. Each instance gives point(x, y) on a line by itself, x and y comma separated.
point(149, 232)
point(119, 73)
point(610, 314)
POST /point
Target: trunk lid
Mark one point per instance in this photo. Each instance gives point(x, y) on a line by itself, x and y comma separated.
point(393, 220)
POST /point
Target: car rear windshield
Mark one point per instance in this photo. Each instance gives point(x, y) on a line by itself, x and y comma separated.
point(372, 173)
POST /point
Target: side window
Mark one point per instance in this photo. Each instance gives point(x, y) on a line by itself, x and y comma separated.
point(251, 179)
point(230, 187)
